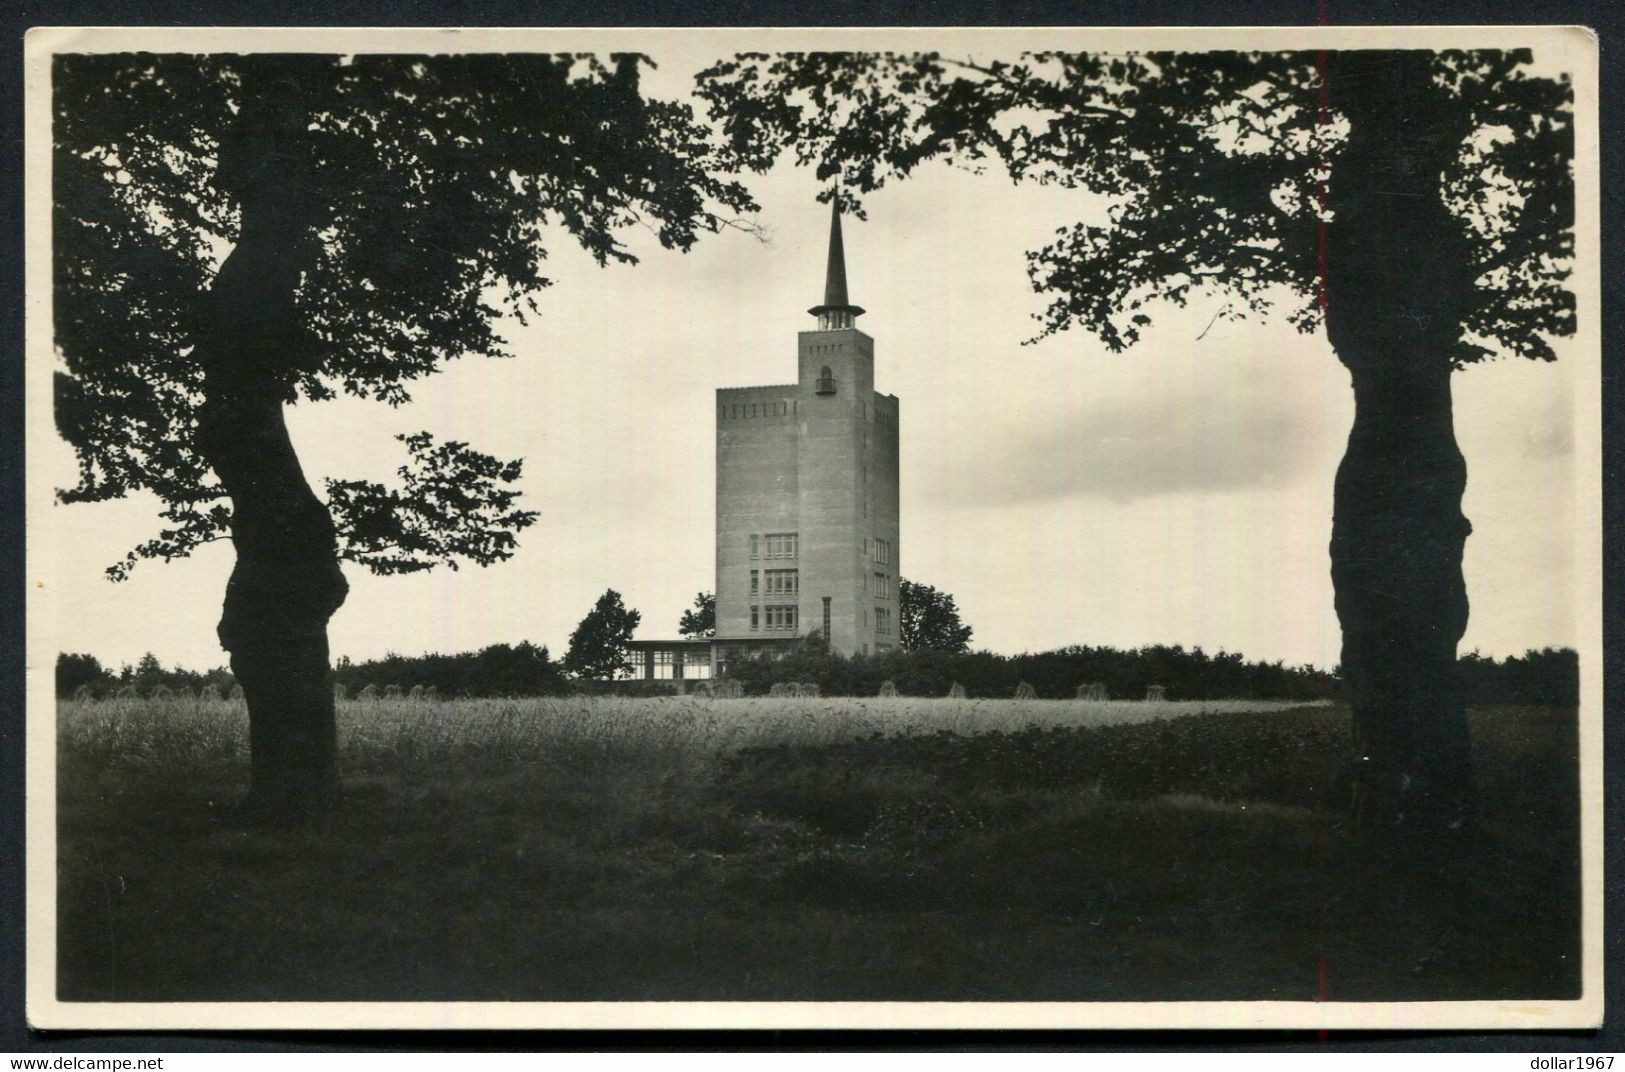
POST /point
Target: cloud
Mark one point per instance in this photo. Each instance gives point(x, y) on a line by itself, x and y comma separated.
point(1193, 438)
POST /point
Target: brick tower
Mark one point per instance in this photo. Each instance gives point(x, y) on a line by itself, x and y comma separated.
point(807, 520)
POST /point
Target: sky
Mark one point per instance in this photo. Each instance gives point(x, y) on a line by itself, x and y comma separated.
point(1179, 492)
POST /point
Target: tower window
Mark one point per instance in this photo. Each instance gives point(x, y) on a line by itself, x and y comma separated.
point(781, 582)
point(781, 617)
point(755, 582)
point(781, 545)
point(882, 551)
point(755, 618)
point(754, 544)
point(882, 621)
point(826, 381)
point(882, 586)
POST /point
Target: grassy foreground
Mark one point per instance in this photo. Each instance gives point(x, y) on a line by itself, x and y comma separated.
point(611, 849)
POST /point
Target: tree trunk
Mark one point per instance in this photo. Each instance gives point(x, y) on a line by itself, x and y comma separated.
point(286, 583)
point(1396, 293)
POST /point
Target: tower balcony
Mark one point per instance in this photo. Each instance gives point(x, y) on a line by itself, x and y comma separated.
point(824, 385)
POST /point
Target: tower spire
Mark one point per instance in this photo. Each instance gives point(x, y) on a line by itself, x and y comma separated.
point(836, 312)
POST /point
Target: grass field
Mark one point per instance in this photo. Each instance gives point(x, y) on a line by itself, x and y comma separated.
point(614, 849)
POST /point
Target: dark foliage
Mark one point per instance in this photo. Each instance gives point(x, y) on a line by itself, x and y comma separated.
point(701, 620)
point(146, 676)
point(598, 647)
point(453, 504)
point(1218, 164)
point(424, 185)
point(1187, 674)
point(1550, 676)
point(74, 670)
point(927, 618)
point(520, 669)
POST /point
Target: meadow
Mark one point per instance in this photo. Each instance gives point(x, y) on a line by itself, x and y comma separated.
point(911, 849)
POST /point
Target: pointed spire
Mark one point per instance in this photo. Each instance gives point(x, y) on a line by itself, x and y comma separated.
point(836, 312)
point(835, 273)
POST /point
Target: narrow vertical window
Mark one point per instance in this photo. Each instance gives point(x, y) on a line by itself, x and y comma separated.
point(753, 546)
point(755, 618)
point(755, 582)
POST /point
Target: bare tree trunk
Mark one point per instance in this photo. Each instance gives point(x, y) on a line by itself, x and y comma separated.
point(1397, 540)
point(1395, 299)
point(286, 583)
point(285, 586)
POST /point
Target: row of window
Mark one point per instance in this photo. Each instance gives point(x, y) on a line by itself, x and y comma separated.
point(662, 665)
point(738, 410)
point(780, 582)
point(788, 545)
point(783, 617)
point(775, 545)
point(775, 617)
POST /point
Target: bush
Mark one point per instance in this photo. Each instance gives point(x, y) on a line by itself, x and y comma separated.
point(1188, 674)
point(522, 669)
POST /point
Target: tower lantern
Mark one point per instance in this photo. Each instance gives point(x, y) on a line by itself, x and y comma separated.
point(836, 312)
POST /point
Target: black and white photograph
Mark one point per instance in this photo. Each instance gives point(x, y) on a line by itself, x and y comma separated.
point(814, 528)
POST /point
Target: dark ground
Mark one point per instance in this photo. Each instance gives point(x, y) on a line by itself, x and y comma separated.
point(1208, 858)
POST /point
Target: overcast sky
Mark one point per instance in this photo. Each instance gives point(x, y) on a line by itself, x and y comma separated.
point(1179, 492)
